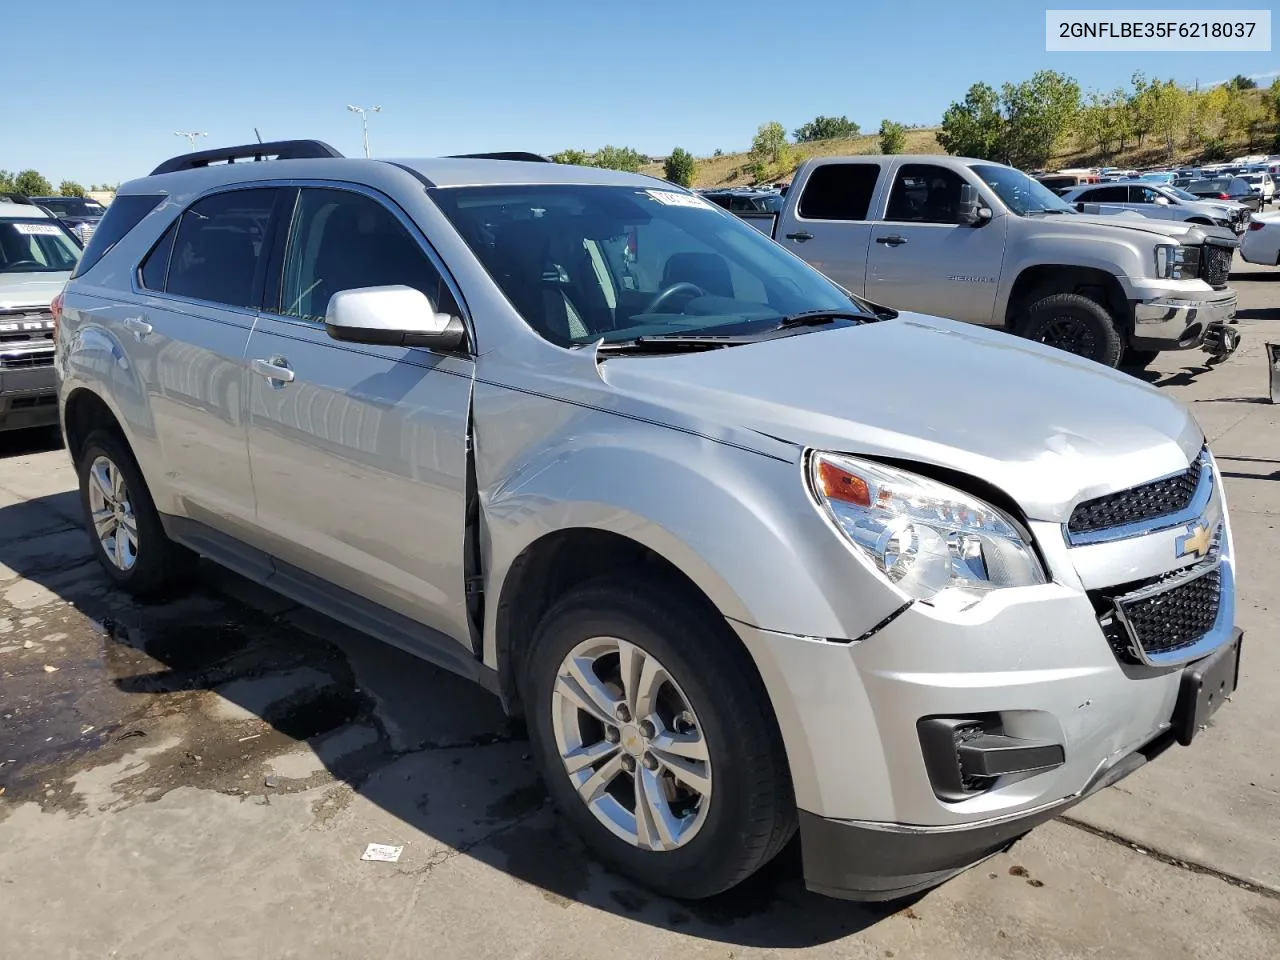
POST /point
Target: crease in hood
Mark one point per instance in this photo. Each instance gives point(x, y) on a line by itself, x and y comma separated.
point(1048, 428)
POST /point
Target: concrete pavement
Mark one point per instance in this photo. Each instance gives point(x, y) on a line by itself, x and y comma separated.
point(199, 777)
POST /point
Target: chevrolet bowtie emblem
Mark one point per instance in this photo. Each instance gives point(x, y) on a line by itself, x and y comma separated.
point(1196, 541)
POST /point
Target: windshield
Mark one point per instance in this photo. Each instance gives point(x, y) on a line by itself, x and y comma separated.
point(1177, 193)
point(585, 262)
point(35, 246)
point(73, 206)
point(1252, 177)
point(1020, 193)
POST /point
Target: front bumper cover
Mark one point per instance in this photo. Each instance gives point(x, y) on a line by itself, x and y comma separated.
point(1167, 323)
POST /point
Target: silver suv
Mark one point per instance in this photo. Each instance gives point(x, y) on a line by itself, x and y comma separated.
point(747, 553)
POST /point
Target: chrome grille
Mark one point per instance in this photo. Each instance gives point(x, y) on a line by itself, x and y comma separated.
point(1159, 498)
point(1215, 265)
point(1162, 621)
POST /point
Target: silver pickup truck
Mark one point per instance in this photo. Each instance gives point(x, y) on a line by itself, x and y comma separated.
point(981, 242)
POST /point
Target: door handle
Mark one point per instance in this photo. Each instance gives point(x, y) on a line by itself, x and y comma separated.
point(800, 237)
point(137, 326)
point(893, 240)
point(276, 370)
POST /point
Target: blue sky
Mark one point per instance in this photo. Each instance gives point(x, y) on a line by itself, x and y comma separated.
point(470, 75)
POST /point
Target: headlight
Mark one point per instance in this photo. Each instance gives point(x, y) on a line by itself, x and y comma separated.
point(923, 536)
point(1176, 262)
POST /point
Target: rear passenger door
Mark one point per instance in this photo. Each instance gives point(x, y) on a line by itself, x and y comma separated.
point(359, 452)
point(200, 285)
point(829, 228)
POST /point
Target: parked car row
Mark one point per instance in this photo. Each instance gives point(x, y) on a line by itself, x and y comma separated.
point(750, 553)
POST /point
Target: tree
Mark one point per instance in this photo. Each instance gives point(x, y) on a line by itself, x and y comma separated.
point(579, 158)
point(770, 142)
point(618, 158)
point(7, 184)
point(1098, 123)
point(1038, 113)
point(69, 188)
point(1241, 82)
point(893, 137)
point(1205, 112)
point(975, 127)
point(680, 166)
point(1244, 114)
point(1167, 104)
point(1139, 115)
point(1273, 98)
point(30, 183)
point(826, 128)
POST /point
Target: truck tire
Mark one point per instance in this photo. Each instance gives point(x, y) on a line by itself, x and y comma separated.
point(123, 524)
point(1076, 324)
point(675, 776)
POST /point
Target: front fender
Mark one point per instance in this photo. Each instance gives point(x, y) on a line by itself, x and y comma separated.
point(738, 524)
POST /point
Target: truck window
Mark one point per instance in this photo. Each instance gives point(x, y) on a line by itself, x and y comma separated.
point(924, 193)
point(839, 191)
point(1106, 195)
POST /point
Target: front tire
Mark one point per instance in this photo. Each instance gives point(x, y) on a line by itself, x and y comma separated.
point(123, 524)
point(656, 738)
point(1076, 324)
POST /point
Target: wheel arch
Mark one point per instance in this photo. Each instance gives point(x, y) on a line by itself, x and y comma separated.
point(1047, 279)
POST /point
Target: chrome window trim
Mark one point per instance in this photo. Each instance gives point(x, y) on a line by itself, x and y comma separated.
point(1217, 635)
point(1191, 512)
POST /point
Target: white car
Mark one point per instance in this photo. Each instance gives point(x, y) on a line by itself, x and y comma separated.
point(1262, 184)
point(1261, 242)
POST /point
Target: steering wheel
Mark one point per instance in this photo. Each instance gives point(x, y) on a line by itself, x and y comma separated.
point(662, 296)
point(23, 263)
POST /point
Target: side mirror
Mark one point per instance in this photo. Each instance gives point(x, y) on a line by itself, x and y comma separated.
point(395, 316)
point(1163, 201)
point(971, 209)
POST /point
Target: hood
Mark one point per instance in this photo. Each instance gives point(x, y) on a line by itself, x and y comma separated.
point(1047, 428)
point(19, 290)
point(1177, 229)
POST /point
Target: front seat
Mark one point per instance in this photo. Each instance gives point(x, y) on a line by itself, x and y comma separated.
point(709, 271)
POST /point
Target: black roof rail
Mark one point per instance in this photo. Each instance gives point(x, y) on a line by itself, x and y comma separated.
point(276, 149)
point(501, 155)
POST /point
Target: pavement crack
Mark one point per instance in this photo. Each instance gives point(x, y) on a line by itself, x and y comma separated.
point(444, 856)
point(1181, 863)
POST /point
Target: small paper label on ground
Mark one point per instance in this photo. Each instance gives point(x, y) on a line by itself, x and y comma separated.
point(382, 852)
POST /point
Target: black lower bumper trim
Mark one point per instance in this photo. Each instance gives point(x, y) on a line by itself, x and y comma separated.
point(853, 862)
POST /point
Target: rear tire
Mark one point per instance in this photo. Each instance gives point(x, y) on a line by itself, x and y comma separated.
point(1076, 324)
point(708, 693)
point(123, 524)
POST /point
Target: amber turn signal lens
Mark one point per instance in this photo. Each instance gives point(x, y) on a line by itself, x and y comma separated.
point(838, 484)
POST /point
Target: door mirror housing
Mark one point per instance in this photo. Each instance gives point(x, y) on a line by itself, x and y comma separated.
point(972, 210)
point(394, 316)
point(1163, 201)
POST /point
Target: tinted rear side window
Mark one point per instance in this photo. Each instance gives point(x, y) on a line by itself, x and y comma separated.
point(220, 242)
point(155, 267)
point(123, 215)
point(839, 191)
point(1106, 195)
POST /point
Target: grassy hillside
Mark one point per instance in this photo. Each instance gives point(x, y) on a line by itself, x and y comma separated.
point(731, 169)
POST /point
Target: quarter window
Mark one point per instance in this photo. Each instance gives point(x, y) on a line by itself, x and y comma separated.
point(839, 191)
point(156, 265)
point(219, 245)
point(342, 240)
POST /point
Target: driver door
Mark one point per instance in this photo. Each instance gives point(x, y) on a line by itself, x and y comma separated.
point(923, 258)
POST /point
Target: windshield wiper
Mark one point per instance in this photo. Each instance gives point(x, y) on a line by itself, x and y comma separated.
point(675, 343)
point(814, 318)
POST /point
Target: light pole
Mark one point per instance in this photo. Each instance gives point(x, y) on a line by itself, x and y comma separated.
point(364, 122)
point(190, 135)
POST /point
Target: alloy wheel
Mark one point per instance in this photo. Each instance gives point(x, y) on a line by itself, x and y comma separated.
point(631, 744)
point(1070, 334)
point(112, 514)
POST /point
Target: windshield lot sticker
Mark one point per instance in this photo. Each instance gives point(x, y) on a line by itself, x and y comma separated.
point(37, 229)
point(672, 199)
